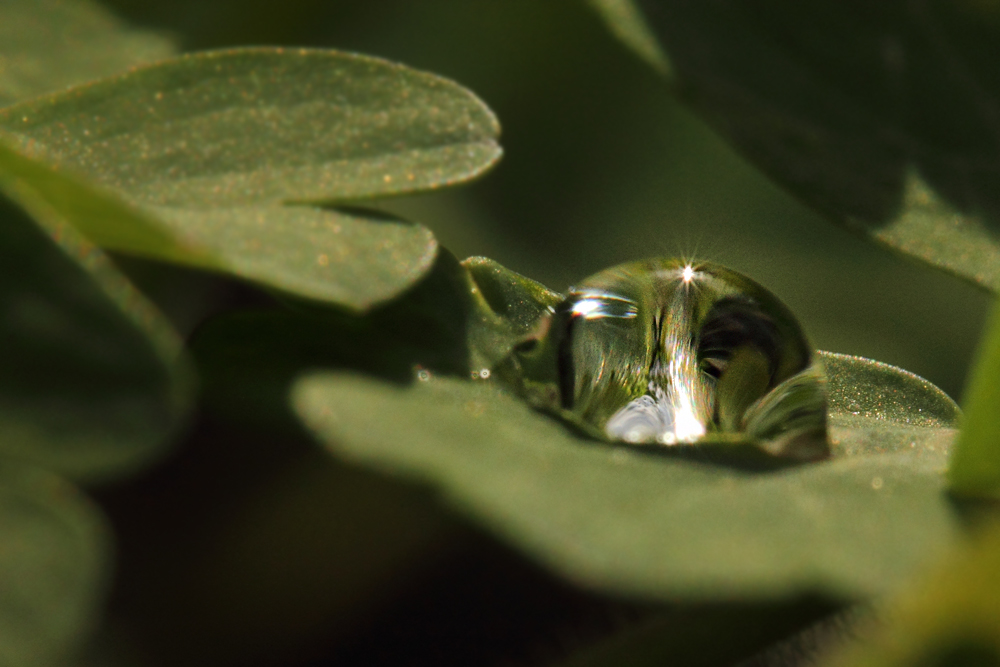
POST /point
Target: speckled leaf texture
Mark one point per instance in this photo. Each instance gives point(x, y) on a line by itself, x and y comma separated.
point(883, 116)
point(650, 524)
point(237, 161)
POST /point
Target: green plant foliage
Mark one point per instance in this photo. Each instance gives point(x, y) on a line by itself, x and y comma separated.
point(628, 24)
point(53, 566)
point(648, 523)
point(93, 383)
point(210, 150)
point(53, 44)
point(975, 463)
point(874, 115)
point(951, 617)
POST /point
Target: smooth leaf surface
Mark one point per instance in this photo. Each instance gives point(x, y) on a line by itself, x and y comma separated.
point(47, 45)
point(644, 522)
point(975, 463)
point(196, 159)
point(883, 117)
point(628, 24)
point(92, 381)
point(53, 566)
point(951, 617)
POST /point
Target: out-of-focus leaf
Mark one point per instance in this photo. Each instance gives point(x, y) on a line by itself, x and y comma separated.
point(646, 522)
point(882, 116)
point(46, 45)
point(952, 617)
point(199, 160)
point(627, 22)
point(975, 463)
point(444, 325)
point(92, 382)
point(690, 635)
point(53, 566)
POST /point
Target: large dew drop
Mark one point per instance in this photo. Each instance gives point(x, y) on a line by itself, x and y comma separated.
point(666, 352)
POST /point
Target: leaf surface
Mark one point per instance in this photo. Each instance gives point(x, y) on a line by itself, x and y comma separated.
point(53, 566)
point(47, 45)
point(648, 523)
point(975, 463)
point(881, 116)
point(92, 380)
point(210, 159)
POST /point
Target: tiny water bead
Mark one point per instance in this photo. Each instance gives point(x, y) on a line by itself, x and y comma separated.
point(669, 352)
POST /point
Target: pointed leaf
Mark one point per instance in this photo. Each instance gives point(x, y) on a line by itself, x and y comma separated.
point(975, 464)
point(636, 522)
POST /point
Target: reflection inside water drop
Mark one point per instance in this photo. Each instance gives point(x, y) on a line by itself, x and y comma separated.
point(668, 352)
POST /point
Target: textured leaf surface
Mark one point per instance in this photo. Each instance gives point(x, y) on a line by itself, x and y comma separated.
point(975, 464)
point(633, 521)
point(53, 566)
point(883, 116)
point(196, 159)
point(91, 379)
point(46, 45)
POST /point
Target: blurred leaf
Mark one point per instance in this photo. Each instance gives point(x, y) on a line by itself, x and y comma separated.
point(199, 158)
point(975, 463)
point(444, 324)
point(648, 522)
point(46, 45)
point(628, 24)
point(690, 635)
point(950, 618)
point(53, 566)
point(92, 383)
point(881, 116)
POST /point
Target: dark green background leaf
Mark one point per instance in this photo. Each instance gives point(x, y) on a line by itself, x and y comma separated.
point(92, 381)
point(883, 117)
point(644, 522)
point(53, 566)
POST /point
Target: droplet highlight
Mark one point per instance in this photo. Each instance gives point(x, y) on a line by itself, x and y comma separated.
point(665, 352)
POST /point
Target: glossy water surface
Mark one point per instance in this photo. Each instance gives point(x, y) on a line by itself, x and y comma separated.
point(668, 352)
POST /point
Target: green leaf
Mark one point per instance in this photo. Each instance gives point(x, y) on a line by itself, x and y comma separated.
point(92, 382)
point(628, 24)
point(951, 617)
point(445, 324)
point(53, 567)
point(46, 45)
point(975, 463)
point(650, 523)
point(197, 160)
point(879, 116)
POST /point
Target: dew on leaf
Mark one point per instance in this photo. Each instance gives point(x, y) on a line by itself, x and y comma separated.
point(668, 352)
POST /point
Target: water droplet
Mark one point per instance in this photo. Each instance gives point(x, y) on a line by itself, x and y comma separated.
point(668, 352)
point(877, 483)
point(422, 374)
